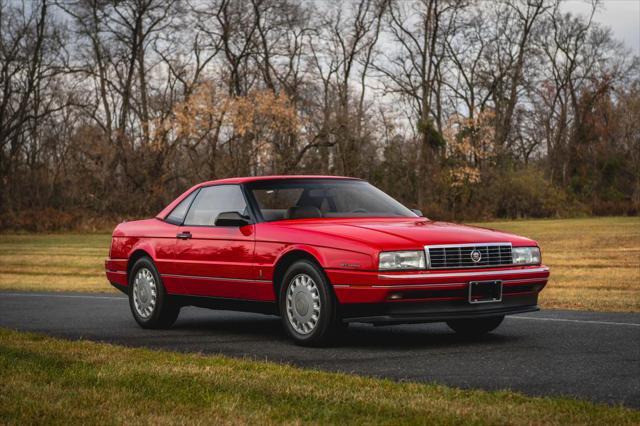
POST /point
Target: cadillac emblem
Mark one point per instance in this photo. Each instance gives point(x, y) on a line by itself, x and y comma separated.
point(476, 256)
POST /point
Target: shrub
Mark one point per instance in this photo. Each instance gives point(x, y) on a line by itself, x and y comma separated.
point(50, 220)
point(527, 193)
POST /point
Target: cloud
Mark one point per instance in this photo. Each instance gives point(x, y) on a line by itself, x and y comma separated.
point(622, 16)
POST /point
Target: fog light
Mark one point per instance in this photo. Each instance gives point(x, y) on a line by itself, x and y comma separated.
point(395, 296)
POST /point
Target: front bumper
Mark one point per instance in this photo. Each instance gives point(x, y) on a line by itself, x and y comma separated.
point(421, 312)
point(430, 296)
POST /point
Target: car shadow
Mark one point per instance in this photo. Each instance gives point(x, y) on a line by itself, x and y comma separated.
point(266, 328)
point(417, 336)
point(258, 325)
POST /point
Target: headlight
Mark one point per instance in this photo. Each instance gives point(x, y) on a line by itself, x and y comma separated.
point(526, 255)
point(398, 260)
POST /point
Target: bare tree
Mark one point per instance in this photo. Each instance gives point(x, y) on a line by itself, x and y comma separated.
point(420, 30)
point(111, 107)
point(31, 58)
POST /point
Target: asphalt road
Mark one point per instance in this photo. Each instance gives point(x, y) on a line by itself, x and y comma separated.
point(593, 356)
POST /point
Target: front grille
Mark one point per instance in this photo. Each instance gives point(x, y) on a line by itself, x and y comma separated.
point(462, 256)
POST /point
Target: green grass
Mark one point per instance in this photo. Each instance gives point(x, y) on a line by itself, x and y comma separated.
point(52, 381)
point(595, 262)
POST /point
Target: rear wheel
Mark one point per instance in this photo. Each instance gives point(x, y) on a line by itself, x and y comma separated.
point(150, 304)
point(307, 305)
point(475, 327)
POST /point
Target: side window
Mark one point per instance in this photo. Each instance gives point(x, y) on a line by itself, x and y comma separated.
point(178, 213)
point(213, 200)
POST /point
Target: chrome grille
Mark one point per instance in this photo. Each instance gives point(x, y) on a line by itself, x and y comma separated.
point(459, 256)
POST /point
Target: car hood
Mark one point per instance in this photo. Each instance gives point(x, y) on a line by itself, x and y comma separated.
point(389, 234)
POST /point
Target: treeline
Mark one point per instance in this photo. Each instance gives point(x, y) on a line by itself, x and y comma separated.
point(465, 109)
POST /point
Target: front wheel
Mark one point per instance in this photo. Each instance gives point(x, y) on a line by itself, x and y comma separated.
point(475, 327)
point(149, 302)
point(307, 305)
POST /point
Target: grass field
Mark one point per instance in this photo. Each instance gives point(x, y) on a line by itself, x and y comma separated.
point(52, 381)
point(595, 262)
point(54, 262)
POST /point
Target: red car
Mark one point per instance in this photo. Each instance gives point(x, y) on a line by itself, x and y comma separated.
point(321, 252)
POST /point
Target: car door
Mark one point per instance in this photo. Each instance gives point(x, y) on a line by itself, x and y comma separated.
point(219, 260)
point(168, 249)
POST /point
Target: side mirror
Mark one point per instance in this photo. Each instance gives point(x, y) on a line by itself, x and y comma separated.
point(418, 212)
point(231, 219)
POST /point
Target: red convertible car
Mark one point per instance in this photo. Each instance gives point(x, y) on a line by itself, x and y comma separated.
point(321, 252)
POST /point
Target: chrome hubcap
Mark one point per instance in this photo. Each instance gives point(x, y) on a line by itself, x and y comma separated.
point(303, 304)
point(144, 293)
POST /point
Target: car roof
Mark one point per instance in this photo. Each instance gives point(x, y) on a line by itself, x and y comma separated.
point(240, 180)
point(248, 179)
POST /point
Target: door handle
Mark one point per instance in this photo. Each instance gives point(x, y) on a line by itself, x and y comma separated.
point(184, 235)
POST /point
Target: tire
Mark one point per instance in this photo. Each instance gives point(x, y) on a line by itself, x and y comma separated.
point(148, 312)
point(307, 305)
point(475, 327)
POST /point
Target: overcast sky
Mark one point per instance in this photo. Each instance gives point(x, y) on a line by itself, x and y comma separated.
point(622, 16)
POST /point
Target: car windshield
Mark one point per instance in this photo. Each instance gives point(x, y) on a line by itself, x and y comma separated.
point(329, 198)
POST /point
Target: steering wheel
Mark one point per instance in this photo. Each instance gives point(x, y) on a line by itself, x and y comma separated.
point(359, 210)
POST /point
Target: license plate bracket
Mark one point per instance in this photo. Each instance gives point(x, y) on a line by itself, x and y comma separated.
point(485, 291)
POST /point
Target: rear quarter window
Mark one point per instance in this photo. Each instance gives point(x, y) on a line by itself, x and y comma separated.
point(177, 215)
point(213, 200)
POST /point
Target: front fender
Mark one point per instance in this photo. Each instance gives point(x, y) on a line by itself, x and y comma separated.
point(331, 258)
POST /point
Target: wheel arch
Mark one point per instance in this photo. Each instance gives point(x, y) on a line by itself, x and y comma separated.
point(134, 257)
point(288, 259)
